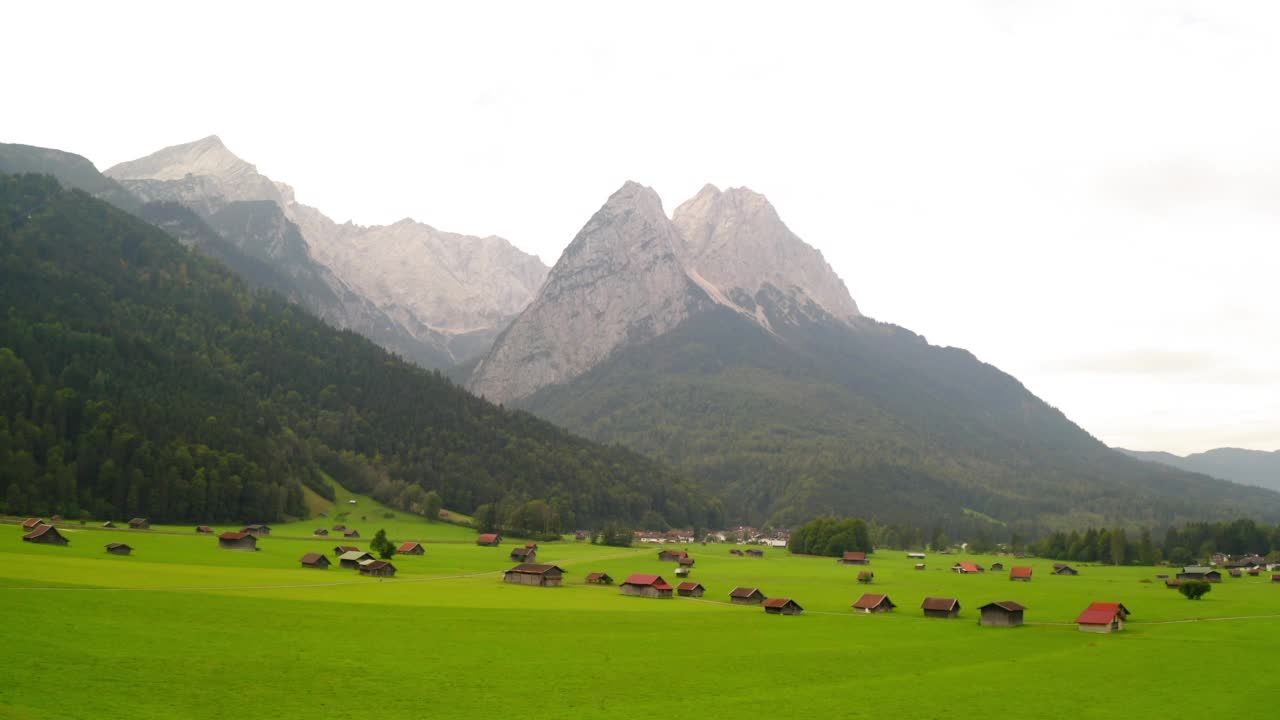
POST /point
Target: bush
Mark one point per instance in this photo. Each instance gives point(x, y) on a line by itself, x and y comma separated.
point(1194, 589)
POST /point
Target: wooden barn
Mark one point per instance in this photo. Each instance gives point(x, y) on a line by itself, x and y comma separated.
point(755, 553)
point(747, 596)
point(1103, 618)
point(140, 524)
point(690, 589)
point(685, 562)
point(237, 541)
point(997, 566)
point(1199, 572)
point(377, 568)
point(1019, 572)
point(866, 576)
point(351, 534)
point(1253, 572)
point(966, 568)
point(915, 556)
point(339, 528)
point(352, 559)
point(1064, 569)
point(1006, 613)
point(204, 530)
point(108, 524)
point(874, 603)
point(941, 607)
point(1275, 578)
point(672, 555)
point(119, 548)
point(489, 540)
point(257, 530)
point(919, 566)
point(599, 578)
point(854, 558)
point(682, 571)
point(736, 551)
point(644, 585)
point(524, 555)
point(46, 535)
point(411, 548)
point(32, 523)
point(537, 574)
point(580, 536)
point(316, 561)
point(782, 606)
point(321, 532)
point(1235, 572)
point(339, 549)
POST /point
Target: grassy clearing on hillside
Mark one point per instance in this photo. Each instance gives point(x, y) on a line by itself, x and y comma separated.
point(443, 638)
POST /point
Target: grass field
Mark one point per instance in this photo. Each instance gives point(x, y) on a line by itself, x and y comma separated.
point(183, 629)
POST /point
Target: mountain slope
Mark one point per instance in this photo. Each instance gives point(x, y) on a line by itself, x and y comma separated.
point(72, 171)
point(1248, 467)
point(441, 296)
point(788, 410)
point(139, 378)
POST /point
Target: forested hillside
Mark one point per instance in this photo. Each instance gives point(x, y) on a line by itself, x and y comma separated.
point(140, 378)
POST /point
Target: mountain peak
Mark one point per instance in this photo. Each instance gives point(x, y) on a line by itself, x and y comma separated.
point(206, 156)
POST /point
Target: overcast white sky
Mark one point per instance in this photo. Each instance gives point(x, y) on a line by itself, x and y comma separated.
point(1086, 195)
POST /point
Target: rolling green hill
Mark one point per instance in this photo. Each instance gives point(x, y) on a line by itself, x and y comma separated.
point(140, 378)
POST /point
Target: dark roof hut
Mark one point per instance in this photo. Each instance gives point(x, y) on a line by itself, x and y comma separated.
point(117, 548)
point(339, 528)
point(321, 532)
point(237, 541)
point(257, 529)
point(489, 539)
point(204, 530)
point(411, 548)
point(316, 561)
point(782, 606)
point(997, 566)
point(1235, 572)
point(919, 566)
point(1061, 569)
point(690, 589)
point(537, 574)
point(685, 561)
point(339, 549)
point(671, 555)
point(524, 554)
point(645, 585)
point(941, 607)
point(109, 524)
point(755, 553)
point(874, 603)
point(1006, 613)
point(599, 578)
point(140, 524)
point(866, 576)
point(854, 558)
point(351, 534)
point(746, 596)
point(735, 551)
point(46, 535)
point(1199, 572)
point(378, 568)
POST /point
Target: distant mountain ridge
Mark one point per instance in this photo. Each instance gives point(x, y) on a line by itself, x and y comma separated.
point(720, 342)
point(438, 298)
point(1259, 468)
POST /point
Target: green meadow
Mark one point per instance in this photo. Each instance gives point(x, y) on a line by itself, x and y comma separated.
point(184, 629)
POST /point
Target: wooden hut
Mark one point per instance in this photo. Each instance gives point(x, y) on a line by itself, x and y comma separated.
point(411, 548)
point(1006, 613)
point(685, 562)
point(854, 558)
point(204, 530)
point(915, 556)
point(109, 525)
point(1200, 572)
point(1235, 572)
point(257, 530)
point(1064, 569)
point(237, 541)
point(690, 589)
point(672, 555)
point(919, 566)
point(1275, 578)
point(540, 575)
point(46, 535)
point(755, 553)
point(1103, 618)
point(117, 548)
point(339, 549)
point(140, 524)
point(941, 607)
point(866, 576)
point(339, 528)
point(321, 532)
point(352, 559)
point(874, 603)
point(735, 551)
point(997, 566)
point(351, 534)
point(782, 606)
point(1020, 572)
point(644, 585)
point(378, 568)
point(315, 561)
point(599, 578)
point(32, 523)
point(747, 596)
point(1171, 583)
point(682, 571)
point(489, 539)
point(966, 568)
point(580, 536)
point(524, 554)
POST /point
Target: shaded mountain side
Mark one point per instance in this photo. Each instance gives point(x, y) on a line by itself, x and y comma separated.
point(1249, 467)
point(72, 171)
point(818, 418)
point(140, 378)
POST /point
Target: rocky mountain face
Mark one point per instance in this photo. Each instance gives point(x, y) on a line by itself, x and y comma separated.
point(1249, 467)
point(437, 298)
point(720, 342)
point(633, 274)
